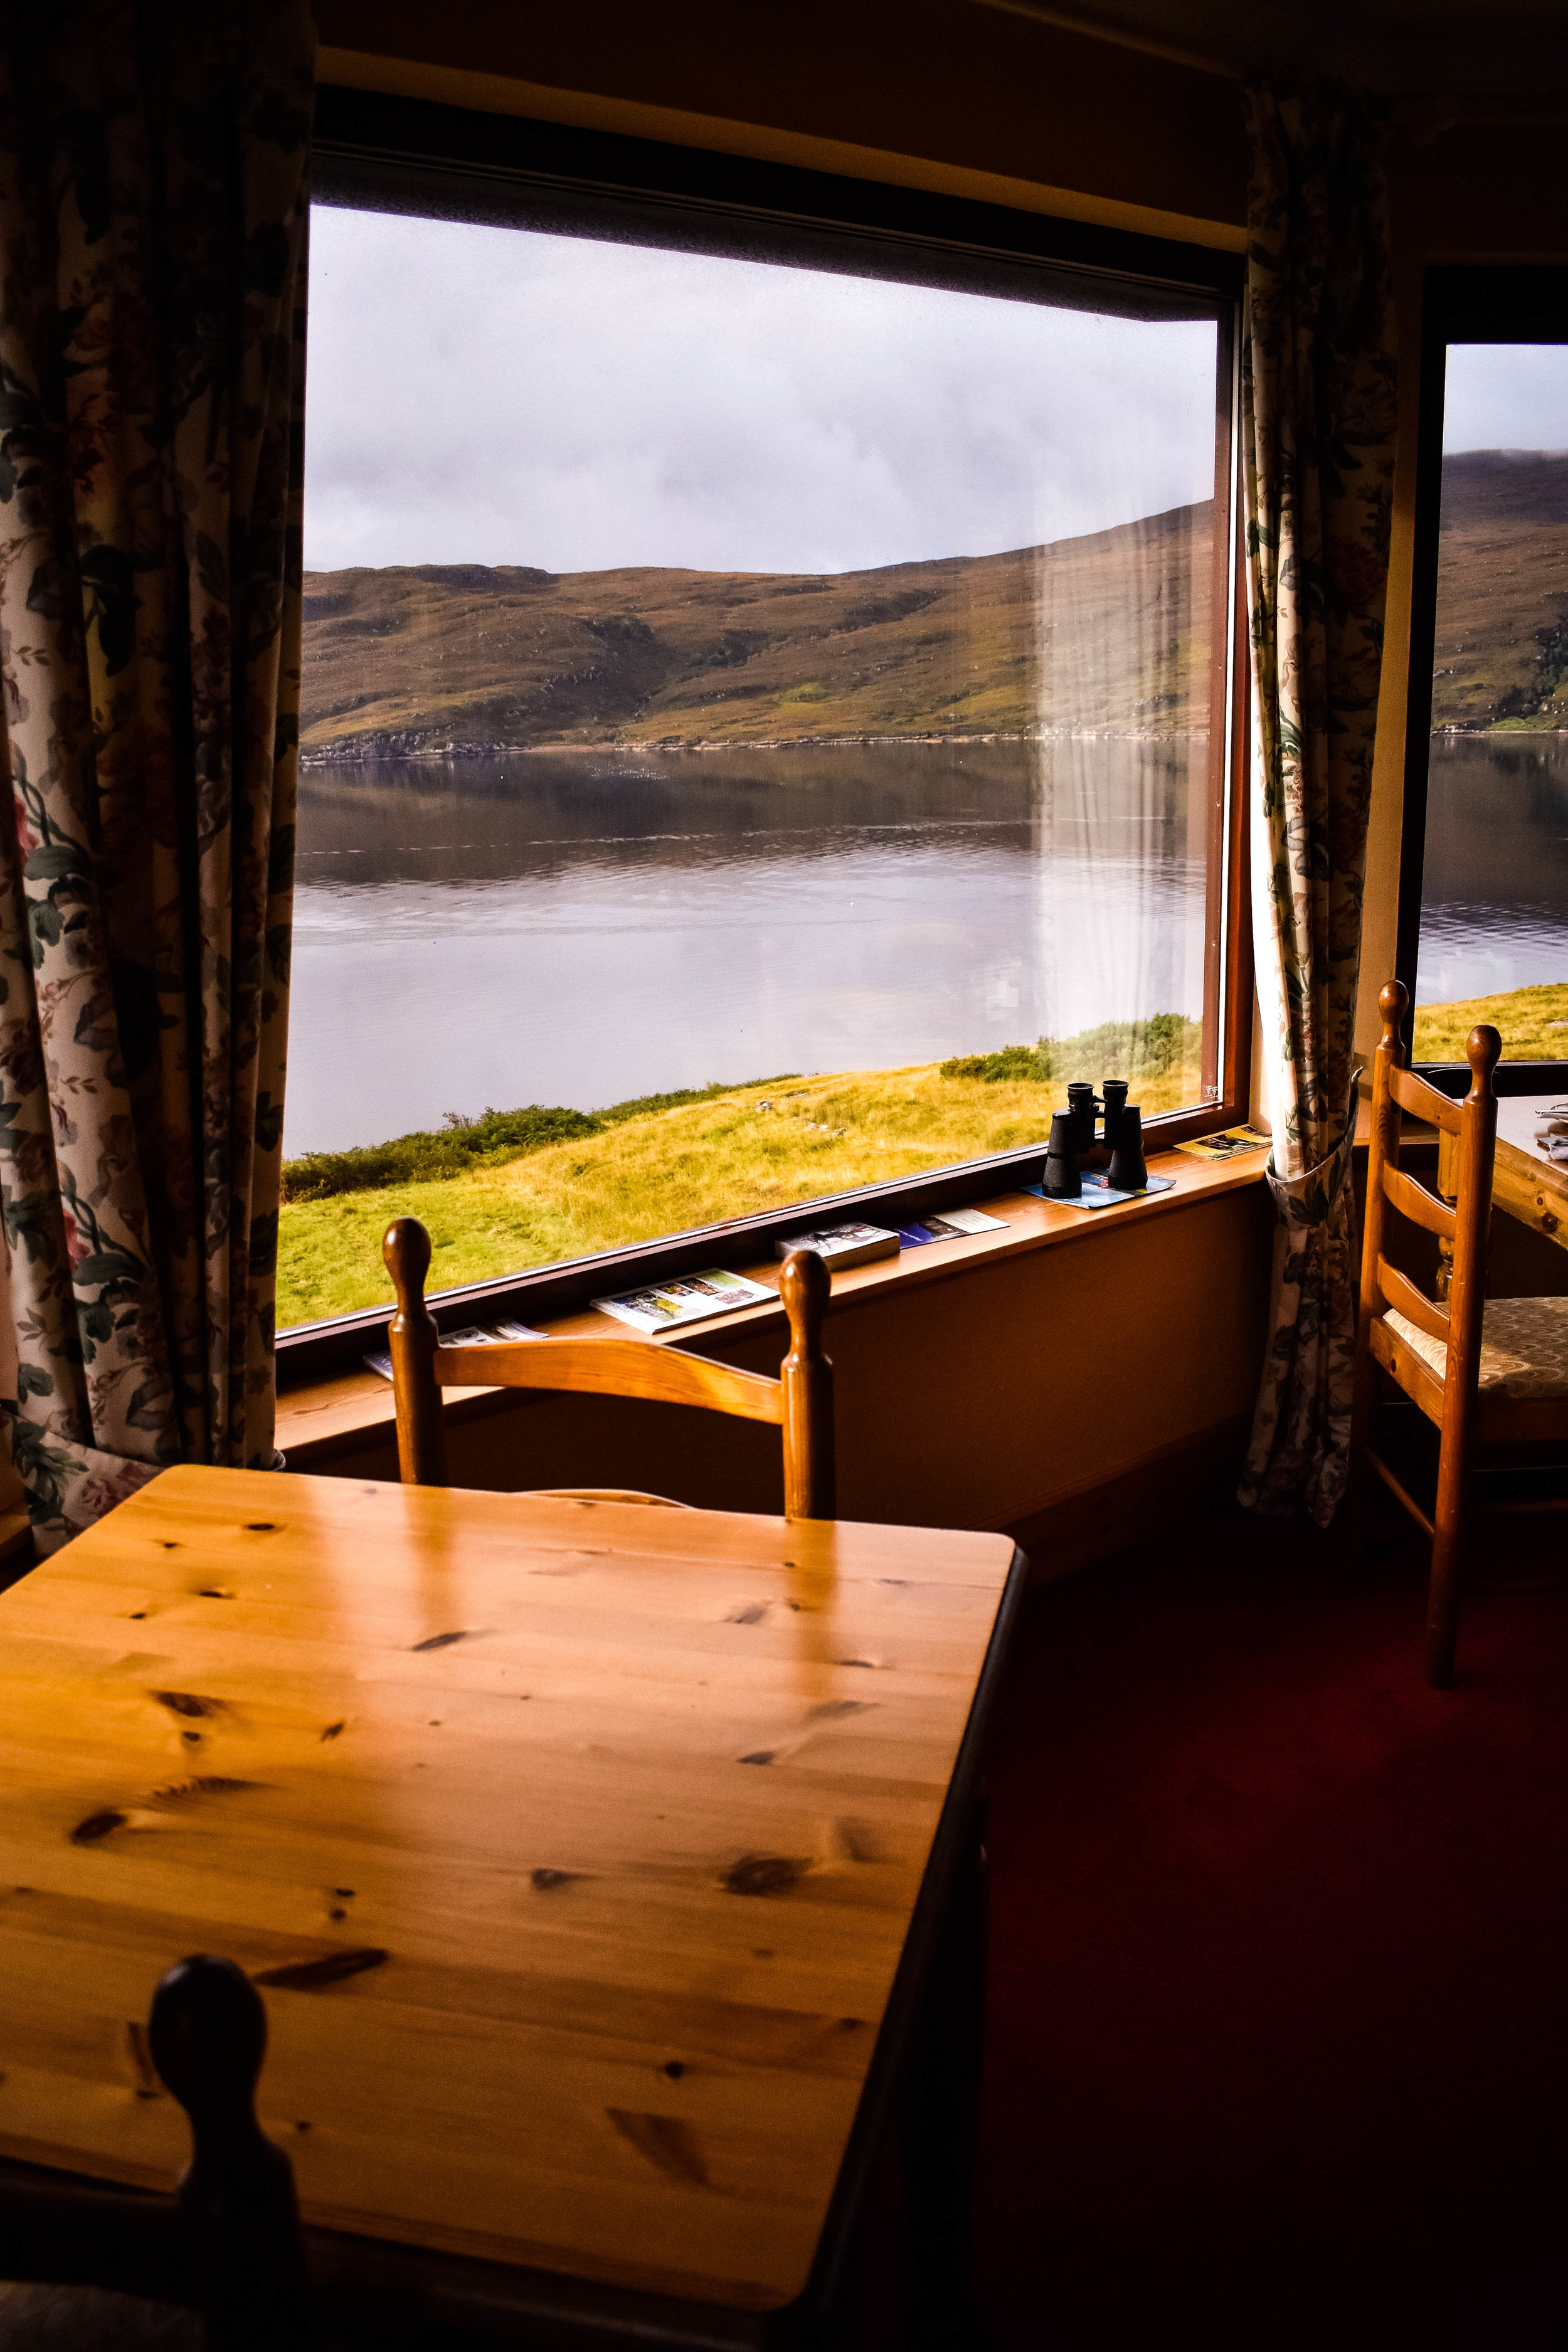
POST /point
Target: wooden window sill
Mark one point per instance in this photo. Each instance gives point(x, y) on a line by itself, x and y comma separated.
point(321, 1418)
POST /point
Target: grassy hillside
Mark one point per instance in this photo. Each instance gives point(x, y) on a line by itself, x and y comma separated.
point(1531, 1022)
point(1502, 648)
point(1109, 630)
point(735, 1152)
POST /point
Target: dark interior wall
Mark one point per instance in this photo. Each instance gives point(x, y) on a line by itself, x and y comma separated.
point(969, 87)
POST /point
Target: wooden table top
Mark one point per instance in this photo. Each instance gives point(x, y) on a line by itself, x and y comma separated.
point(575, 1845)
point(1526, 1181)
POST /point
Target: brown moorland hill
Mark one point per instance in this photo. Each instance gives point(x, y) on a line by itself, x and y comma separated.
point(1108, 631)
point(1501, 647)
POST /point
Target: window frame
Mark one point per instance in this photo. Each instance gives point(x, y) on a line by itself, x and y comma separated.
point(410, 155)
point(1461, 303)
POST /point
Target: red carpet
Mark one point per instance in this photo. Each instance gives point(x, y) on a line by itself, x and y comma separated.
point(1278, 2030)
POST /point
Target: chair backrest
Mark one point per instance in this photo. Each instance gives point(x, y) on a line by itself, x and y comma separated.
point(1465, 1226)
point(800, 1400)
point(228, 2244)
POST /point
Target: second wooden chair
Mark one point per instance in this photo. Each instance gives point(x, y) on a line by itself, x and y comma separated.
point(1492, 1374)
point(800, 1400)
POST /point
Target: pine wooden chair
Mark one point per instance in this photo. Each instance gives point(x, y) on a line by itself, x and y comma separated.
point(1488, 1374)
point(114, 2271)
point(800, 1401)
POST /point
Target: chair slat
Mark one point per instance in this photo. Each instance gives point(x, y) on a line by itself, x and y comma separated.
point(623, 1368)
point(1396, 1485)
point(1413, 1201)
point(1413, 1372)
point(1402, 1294)
point(1422, 1101)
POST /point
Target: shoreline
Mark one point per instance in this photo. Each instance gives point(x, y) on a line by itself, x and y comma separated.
point(450, 754)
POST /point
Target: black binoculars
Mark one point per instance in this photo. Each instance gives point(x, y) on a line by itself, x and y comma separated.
point(1074, 1137)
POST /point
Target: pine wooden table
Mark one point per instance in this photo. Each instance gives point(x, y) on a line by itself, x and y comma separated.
point(598, 1863)
point(1526, 1182)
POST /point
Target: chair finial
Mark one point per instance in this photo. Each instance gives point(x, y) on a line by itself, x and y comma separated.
point(405, 1253)
point(1483, 1050)
point(810, 1479)
point(1394, 1004)
point(805, 1286)
point(207, 2034)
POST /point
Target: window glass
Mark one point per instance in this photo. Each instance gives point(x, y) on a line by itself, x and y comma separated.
point(756, 737)
point(1494, 899)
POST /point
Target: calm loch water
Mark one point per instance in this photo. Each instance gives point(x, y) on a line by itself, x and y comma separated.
point(1494, 899)
point(583, 928)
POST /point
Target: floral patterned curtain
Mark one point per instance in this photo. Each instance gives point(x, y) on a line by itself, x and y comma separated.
point(1318, 439)
point(152, 225)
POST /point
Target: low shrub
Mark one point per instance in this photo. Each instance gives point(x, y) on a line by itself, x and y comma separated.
point(1134, 1050)
point(464, 1144)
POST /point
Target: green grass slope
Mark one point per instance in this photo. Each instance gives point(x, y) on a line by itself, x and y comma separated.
point(637, 1172)
point(1531, 1022)
point(1109, 630)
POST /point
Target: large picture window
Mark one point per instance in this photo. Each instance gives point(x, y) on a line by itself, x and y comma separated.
point(764, 723)
point(1485, 913)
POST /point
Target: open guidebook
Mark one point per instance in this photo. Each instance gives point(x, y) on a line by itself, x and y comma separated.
point(687, 1299)
point(492, 1335)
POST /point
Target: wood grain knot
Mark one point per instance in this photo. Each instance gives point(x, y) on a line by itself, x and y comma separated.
point(666, 2141)
point(762, 1874)
point(99, 1825)
point(308, 1975)
point(444, 1641)
point(188, 1703)
point(546, 1879)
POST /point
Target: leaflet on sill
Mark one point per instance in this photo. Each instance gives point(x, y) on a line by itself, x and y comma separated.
point(493, 1335)
point(1227, 1145)
point(952, 1225)
point(689, 1300)
point(1095, 1193)
point(842, 1246)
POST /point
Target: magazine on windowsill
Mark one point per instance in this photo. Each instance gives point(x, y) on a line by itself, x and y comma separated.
point(842, 1245)
point(1228, 1145)
point(952, 1225)
point(493, 1335)
point(689, 1299)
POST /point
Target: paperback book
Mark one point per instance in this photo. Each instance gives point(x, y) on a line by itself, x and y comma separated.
point(842, 1245)
point(953, 1224)
point(493, 1335)
point(688, 1300)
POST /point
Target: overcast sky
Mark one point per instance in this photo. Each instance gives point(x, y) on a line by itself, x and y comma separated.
point(1506, 396)
point(495, 395)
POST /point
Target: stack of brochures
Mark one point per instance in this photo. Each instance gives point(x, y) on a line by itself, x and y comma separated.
point(841, 1245)
point(492, 1335)
point(953, 1224)
point(687, 1299)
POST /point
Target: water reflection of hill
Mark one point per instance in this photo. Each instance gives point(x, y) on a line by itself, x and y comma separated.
point(480, 821)
point(1108, 631)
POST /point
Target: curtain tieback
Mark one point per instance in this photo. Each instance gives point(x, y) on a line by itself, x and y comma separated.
point(1309, 1198)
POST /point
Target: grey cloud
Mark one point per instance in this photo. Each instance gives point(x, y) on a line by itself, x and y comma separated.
point(1506, 396)
point(503, 397)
